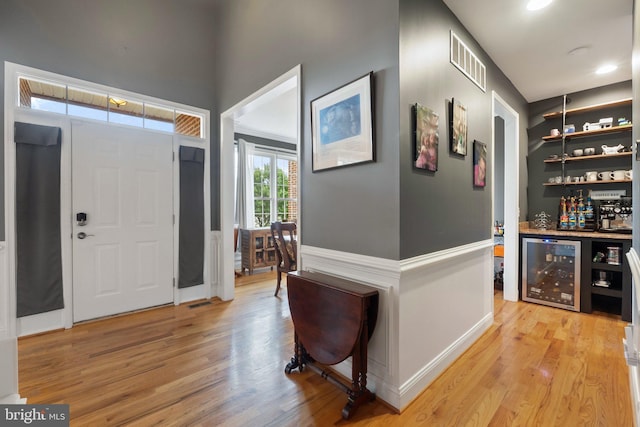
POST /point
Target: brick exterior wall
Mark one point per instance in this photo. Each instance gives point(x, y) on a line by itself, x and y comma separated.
point(292, 210)
point(188, 125)
point(25, 93)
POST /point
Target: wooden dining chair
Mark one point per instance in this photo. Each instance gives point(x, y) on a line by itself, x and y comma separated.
point(285, 237)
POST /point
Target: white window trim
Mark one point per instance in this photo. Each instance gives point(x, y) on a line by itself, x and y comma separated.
point(275, 154)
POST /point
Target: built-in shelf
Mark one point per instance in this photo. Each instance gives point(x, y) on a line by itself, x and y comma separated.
point(606, 266)
point(587, 133)
point(611, 181)
point(609, 292)
point(619, 103)
point(595, 156)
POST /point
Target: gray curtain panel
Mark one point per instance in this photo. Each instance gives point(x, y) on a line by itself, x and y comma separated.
point(192, 233)
point(39, 248)
point(241, 186)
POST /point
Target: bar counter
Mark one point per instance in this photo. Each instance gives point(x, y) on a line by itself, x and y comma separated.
point(615, 298)
point(525, 228)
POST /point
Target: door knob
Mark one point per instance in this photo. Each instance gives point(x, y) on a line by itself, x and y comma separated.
point(83, 235)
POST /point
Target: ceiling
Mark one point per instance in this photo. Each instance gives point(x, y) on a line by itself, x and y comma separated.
point(273, 116)
point(533, 49)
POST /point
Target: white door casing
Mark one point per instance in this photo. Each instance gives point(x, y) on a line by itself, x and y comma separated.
point(511, 193)
point(122, 180)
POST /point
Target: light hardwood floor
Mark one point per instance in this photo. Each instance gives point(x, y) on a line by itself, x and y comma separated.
point(222, 364)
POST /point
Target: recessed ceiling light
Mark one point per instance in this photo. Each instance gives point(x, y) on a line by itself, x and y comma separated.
point(538, 4)
point(607, 68)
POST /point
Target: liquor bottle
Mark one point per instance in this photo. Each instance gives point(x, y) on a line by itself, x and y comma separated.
point(564, 218)
point(572, 213)
point(581, 212)
point(588, 209)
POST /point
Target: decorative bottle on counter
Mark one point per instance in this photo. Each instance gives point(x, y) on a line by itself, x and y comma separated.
point(581, 212)
point(589, 215)
point(572, 213)
point(564, 218)
point(588, 209)
point(581, 219)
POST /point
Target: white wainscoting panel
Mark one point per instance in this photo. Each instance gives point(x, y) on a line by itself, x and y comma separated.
point(432, 308)
point(7, 302)
point(634, 386)
point(215, 274)
point(632, 336)
point(8, 341)
point(8, 367)
point(375, 272)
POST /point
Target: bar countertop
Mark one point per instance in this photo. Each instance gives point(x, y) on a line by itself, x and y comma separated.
point(525, 228)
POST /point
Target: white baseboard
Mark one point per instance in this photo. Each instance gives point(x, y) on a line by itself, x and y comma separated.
point(39, 323)
point(12, 399)
point(192, 293)
point(425, 376)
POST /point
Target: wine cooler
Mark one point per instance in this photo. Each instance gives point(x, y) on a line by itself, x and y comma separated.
point(551, 272)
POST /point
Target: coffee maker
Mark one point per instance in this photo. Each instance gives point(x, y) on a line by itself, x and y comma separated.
point(615, 216)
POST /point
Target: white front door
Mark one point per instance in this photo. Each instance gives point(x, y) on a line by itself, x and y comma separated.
point(122, 180)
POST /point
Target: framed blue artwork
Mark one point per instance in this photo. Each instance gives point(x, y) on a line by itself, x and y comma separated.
point(342, 131)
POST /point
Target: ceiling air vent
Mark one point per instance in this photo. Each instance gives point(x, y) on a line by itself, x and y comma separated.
point(467, 62)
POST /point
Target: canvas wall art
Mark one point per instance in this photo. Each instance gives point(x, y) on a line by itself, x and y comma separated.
point(458, 128)
point(426, 138)
point(479, 163)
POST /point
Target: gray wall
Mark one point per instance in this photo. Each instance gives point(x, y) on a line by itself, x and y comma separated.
point(159, 48)
point(181, 51)
point(386, 208)
point(353, 209)
point(547, 199)
point(444, 210)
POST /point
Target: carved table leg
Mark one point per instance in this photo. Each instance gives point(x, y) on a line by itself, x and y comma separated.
point(355, 400)
point(295, 360)
point(300, 357)
point(358, 393)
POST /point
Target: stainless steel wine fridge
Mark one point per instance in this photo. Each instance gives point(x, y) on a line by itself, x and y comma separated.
point(551, 272)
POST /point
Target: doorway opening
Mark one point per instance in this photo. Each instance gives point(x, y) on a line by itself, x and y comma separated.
point(511, 170)
point(282, 95)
